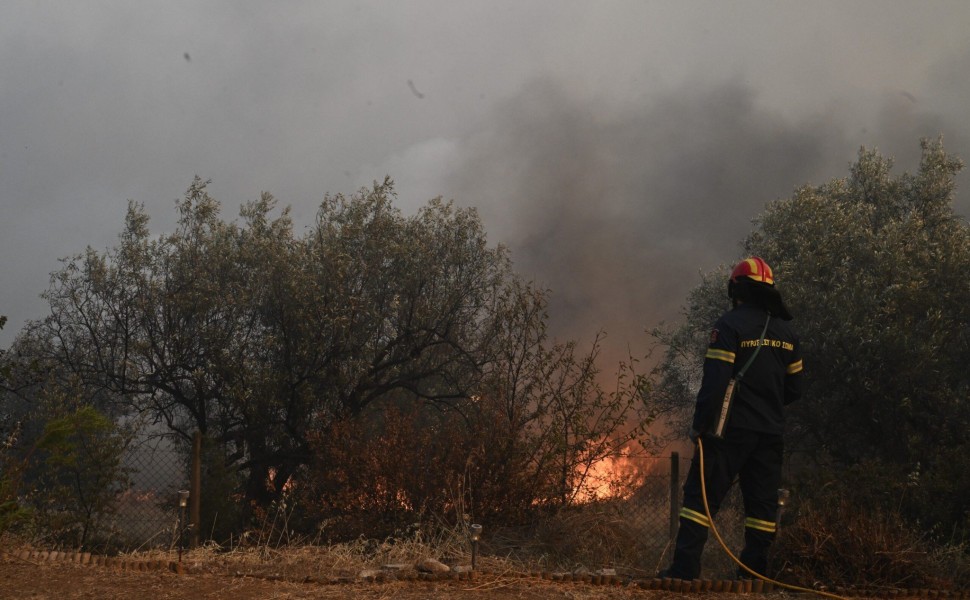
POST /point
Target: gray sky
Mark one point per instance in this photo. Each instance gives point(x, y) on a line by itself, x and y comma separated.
point(618, 147)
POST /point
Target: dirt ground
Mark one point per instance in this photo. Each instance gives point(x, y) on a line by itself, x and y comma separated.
point(66, 581)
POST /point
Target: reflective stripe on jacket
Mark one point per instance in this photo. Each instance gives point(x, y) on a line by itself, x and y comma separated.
point(772, 381)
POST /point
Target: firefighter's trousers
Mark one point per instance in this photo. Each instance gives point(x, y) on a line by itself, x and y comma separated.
point(755, 459)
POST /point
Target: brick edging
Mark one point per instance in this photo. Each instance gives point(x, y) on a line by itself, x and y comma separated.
point(696, 586)
point(95, 560)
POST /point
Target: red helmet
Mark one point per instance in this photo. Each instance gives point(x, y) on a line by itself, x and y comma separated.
point(753, 268)
point(753, 281)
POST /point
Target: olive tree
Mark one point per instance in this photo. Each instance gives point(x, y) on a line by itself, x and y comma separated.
point(883, 312)
point(369, 306)
point(875, 269)
point(278, 346)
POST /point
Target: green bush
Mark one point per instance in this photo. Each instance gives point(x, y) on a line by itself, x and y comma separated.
point(12, 511)
point(79, 474)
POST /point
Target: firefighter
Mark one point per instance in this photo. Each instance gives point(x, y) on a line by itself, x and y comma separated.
point(751, 446)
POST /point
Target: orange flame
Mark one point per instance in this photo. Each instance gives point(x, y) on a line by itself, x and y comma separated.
point(615, 476)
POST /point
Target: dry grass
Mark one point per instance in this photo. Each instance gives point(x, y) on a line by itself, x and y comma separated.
point(834, 542)
point(345, 560)
point(825, 545)
point(610, 534)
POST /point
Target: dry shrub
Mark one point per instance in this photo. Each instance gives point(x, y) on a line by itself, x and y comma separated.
point(607, 533)
point(954, 560)
point(381, 473)
point(630, 535)
point(834, 542)
point(599, 534)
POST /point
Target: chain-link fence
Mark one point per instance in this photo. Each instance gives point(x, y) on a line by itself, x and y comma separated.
point(654, 510)
point(634, 530)
point(147, 514)
point(656, 504)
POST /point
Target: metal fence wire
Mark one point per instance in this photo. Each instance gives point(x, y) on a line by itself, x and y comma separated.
point(654, 509)
point(146, 513)
point(636, 529)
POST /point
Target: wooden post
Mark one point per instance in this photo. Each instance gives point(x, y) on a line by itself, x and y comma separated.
point(195, 491)
point(674, 494)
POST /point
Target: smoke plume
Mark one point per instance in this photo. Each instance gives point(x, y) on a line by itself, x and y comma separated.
point(618, 212)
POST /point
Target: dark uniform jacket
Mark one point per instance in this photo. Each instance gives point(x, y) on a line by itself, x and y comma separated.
point(772, 381)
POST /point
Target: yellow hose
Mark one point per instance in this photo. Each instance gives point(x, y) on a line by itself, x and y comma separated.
point(707, 510)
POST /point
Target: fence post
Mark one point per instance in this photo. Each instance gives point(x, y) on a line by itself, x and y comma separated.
point(195, 490)
point(674, 494)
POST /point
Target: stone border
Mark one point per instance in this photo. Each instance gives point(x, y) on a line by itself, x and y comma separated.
point(696, 586)
point(95, 560)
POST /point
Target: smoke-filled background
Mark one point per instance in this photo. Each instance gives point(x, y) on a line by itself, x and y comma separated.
point(619, 147)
